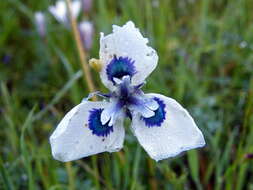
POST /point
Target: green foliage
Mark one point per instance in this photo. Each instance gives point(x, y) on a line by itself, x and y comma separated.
point(205, 62)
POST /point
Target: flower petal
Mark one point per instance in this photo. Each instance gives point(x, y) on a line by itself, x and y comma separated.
point(125, 52)
point(81, 133)
point(40, 21)
point(142, 109)
point(76, 8)
point(146, 106)
point(169, 132)
point(59, 10)
point(86, 30)
point(111, 112)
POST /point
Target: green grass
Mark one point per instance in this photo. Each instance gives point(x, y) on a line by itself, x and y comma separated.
point(205, 62)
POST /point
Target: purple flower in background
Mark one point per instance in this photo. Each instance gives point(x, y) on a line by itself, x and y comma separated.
point(86, 33)
point(249, 156)
point(86, 4)
point(40, 23)
point(162, 126)
point(6, 59)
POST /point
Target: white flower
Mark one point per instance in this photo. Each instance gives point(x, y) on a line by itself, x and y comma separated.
point(60, 11)
point(40, 23)
point(162, 126)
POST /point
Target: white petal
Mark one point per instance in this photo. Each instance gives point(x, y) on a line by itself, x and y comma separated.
point(73, 139)
point(76, 7)
point(144, 105)
point(127, 41)
point(59, 11)
point(40, 22)
point(110, 112)
point(105, 116)
point(118, 81)
point(177, 133)
point(151, 104)
point(142, 109)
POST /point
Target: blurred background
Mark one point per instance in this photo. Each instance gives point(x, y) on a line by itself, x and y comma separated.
point(205, 62)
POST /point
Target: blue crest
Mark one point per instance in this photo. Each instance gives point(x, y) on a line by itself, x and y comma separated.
point(95, 124)
point(119, 67)
point(158, 118)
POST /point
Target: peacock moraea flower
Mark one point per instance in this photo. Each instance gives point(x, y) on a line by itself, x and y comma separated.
point(162, 126)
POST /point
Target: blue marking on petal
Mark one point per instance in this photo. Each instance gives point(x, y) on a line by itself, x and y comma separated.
point(119, 67)
point(95, 124)
point(128, 114)
point(158, 118)
point(124, 90)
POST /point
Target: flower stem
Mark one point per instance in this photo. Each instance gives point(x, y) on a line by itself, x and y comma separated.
point(71, 176)
point(81, 51)
point(152, 182)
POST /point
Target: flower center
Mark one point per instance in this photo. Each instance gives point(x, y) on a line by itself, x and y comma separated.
point(126, 93)
point(133, 99)
point(120, 67)
point(125, 100)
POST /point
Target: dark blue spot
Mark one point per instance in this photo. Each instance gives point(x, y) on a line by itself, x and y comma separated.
point(124, 90)
point(95, 124)
point(128, 114)
point(119, 67)
point(158, 118)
